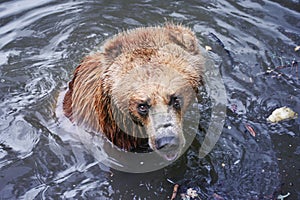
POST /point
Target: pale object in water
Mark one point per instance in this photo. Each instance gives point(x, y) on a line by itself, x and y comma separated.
point(208, 48)
point(281, 114)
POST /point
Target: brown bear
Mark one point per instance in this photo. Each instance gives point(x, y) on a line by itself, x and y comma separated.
point(136, 89)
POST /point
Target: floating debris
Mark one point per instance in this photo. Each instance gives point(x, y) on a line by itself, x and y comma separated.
point(217, 197)
point(236, 162)
point(234, 108)
point(190, 194)
point(175, 189)
point(250, 129)
point(208, 48)
point(281, 197)
point(297, 48)
point(170, 181)
point(282, 113)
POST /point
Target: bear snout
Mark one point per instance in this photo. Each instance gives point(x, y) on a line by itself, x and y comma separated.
point(165, 131)
point(168, 143)
point(168, 147)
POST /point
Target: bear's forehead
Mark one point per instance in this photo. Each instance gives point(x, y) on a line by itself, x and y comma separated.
point(151, 81)
point(147, 72)
point(153, 93)
point(151, 57)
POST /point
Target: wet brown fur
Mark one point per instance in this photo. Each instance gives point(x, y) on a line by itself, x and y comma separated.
point(88, 99)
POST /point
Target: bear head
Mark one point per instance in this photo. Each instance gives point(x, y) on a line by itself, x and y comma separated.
point(151, 97)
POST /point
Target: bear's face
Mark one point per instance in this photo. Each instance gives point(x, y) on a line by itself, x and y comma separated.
point(155, 102)
point(160, 111)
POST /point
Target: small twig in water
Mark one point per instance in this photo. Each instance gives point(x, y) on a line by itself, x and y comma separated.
point(175, 189)
point(250, 129)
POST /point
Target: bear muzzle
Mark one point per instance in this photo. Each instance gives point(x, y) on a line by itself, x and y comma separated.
point(168, 147)
point(166, 135)
point(167, 142)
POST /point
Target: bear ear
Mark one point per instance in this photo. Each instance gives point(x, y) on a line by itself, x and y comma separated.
point(184, 38)
point(113, 48)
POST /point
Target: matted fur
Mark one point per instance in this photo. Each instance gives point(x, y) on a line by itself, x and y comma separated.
point(88, 100)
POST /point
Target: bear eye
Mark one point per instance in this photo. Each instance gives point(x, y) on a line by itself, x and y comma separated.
point(175, 102)
point(143, 109)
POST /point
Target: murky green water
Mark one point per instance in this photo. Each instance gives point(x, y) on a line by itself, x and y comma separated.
point(253, 42)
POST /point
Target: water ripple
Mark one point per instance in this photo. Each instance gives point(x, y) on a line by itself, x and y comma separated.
point(253, 42)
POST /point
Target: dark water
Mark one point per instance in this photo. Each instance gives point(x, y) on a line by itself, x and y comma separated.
point(253, 42)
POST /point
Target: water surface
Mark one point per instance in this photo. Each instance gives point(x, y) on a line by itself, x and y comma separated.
point(41, 43)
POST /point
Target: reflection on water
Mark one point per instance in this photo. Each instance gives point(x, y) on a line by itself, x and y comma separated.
point(253, 42)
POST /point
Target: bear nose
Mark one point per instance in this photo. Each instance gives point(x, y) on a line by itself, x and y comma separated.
point(170, 142)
